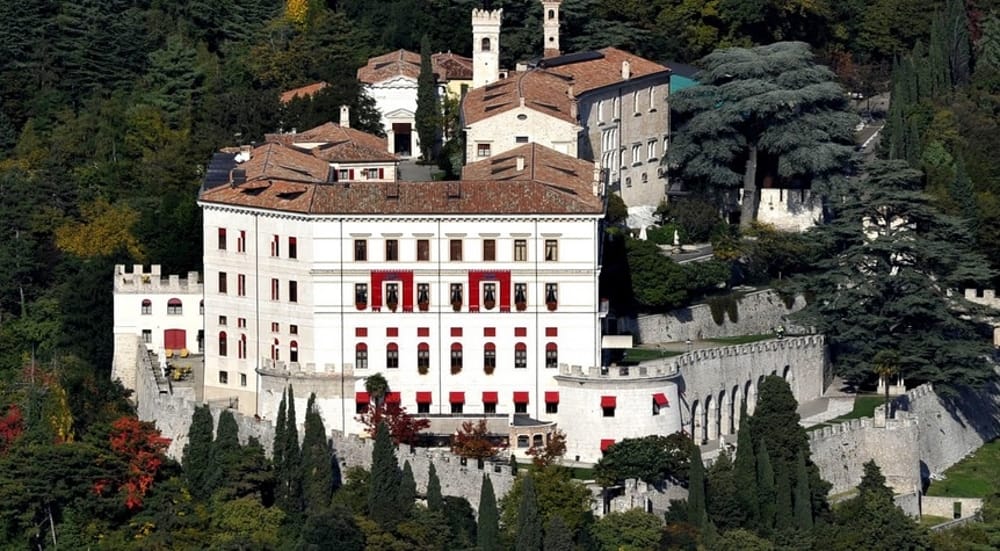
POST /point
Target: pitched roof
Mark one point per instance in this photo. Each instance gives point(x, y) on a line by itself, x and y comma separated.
point(541, 164)
point(338, 143)
point(447, 66)
point(302, 91)
point(283, 178)
point(549, 86)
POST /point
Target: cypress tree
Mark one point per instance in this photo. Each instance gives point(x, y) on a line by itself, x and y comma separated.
point(529, 522)
point(765, 491)
point(487, 538)
point(721, 495)
point(407, 489)
point(963, 195)
point(277, 447)
point(783, 495)
point(199, 463)
point(383, 495)
point(745, 470)
point(427, 104)
point(803, 500)
point(434, 500)
point(227, 447)
point(317, 460)
point(957, 42)
point(290, 476)
point(557, 535)
point(696, 490)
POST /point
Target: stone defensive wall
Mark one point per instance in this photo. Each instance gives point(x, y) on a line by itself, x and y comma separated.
point(757, 313)
point(840, 451)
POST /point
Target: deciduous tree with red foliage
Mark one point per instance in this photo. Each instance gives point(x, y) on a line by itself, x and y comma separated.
point(403, 427)
point(11, 427)
point(554, 448)
point(140, 445)
point(473, 441)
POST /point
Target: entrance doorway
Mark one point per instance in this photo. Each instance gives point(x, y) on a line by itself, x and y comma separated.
point(402, 138)
point(174, 339)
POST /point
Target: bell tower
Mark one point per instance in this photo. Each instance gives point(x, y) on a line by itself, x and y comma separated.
point(485, 46)
point(550, 25)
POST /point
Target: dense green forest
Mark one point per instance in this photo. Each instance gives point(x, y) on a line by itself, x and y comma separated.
point(109, 110)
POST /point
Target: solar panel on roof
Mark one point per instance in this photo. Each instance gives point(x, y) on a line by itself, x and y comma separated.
point(218, 170)
point(570, 58)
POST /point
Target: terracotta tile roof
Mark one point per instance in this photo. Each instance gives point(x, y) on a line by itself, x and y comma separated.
point(447, 66)
point(542, 90)
point(339, 144)
point(303, 91)
point(547, 89)
point(280, 177)
point(541, 164)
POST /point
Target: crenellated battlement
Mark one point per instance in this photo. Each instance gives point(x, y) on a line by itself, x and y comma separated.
point(137, 280)
point(986, 297)
point(487, 17)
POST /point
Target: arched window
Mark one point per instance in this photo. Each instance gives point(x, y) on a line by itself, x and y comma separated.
point(538, 441)
point(275, 350)
point(147, 307)
point(485, 45)
point(392, 355)
point(222, 343)
point(520, 355)
point(174, 306)
point(423, 357)
point(489, 357)
point(293, 351)
point(241, 347)
point(361, 356)
point(522, 441)
point(552, 14)
point(456, 357)
point(551, 355)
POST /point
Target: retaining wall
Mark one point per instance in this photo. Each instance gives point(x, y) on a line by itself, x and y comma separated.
point(759, 312)
point(840, 451)
point(941, 506)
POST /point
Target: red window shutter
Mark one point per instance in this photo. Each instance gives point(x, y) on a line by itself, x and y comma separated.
point(391, 331)
point(474, 279)
point(504, 278)
point(489, 331)
point(407, 279)
point(350, 174)
point(377, 278)
point(456, 331)
point(360, 331)
point(381, 173)
point(551, 331)
point(520, 331)
point(423, 331)
point(607, 443)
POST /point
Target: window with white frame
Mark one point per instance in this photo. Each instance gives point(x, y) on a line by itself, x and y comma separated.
point(636, 153)
point(651, 150)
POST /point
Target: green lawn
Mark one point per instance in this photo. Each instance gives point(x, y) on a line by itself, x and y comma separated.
point(742, 339)
point(864, 406)
point(582, 473)
point(931, 520)
point(975, 476)
point(646, 354)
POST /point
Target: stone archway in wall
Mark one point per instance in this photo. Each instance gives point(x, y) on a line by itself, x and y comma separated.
point(711, 419)
point(751, 397)
point(736, 397)
point(725, 413)
point(696, 421)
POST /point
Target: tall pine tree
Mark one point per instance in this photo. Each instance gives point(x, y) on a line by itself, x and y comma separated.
point(722, 496)
point(427, 115)
point(317, 460)
point(557, 535)
point(227, 442)
point(383, 494)
point(434, 500)
point(200, 468)
point(766, 495)
point(407, 489)
point(803, 499)
point(697, 513)
point(488, 536)
point(529, 521)
point(289, 477)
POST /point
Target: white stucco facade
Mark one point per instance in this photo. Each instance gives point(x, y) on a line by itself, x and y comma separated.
point(396, 100)
point(505, 131)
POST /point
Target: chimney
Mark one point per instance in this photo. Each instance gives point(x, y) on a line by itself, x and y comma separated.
point(596, 184)
point(520, 163)
point(345, 116)
point(626, 70)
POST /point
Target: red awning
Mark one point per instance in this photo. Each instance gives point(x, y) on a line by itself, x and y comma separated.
point(660, 399)
point(392, 398)
point(608, 402)
point(423, 397)
point(361, 397)
point(392, 346)
point(607, 443)
point(551, 397)
point(456, 397)
point(551, 346)
point(489, 346)
point(520, 397)
point(490, 397)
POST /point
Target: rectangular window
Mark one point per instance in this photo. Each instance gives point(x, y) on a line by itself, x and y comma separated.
point(361, 296)
point(636, 152)
point(222, 320)
point(361, 358)
point(423, 359)
point(423, 296)
point(520, 358)
point(617, 108)
point(243, 379)
point(520, 250)
point(293, 329)
point(483, 150)
point(224, 377)
point(241, 242)
point(552, 295)
point(489, 408)
point(147, 336)
point(552, 407)
point(275, 246)
point(423, 250)
point(293, 247)
point(275, 289)
point(241, 323)
point(360, 250)
point(520, 139)
point(391, 250)
point(293, 291)
point(490, 358)
point(423, 408)
point(600, 111)
point(275, 327)
point(371, 173)
point(455, 248)
point(521, 295)
point(222, 282)
point(241, 347)
point(652, 103)
point(392, 357)
point(456, 408)
point(651, 150)
point(635, 101)
point(241, 285)
point(456, 360)
point(147, 307)
point(489, 250)
point(222, 239)
point(520, 408)
point(456, 296)
point(551, 250)
point(551, 357)
point(608, 411)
